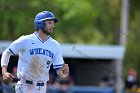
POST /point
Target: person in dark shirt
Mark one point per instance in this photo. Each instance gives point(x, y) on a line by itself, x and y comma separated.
point(131, 81)
point(108, 80)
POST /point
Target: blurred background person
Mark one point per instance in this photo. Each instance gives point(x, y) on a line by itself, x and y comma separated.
point(61, 85)
point(108, 80)
point(131, 81)
point(64, 84)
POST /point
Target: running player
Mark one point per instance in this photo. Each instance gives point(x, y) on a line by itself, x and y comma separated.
point(37, 52)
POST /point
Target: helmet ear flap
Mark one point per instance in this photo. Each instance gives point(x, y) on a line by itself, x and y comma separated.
point(40, 25)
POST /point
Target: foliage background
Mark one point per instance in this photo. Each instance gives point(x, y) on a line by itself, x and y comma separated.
point(80, 21)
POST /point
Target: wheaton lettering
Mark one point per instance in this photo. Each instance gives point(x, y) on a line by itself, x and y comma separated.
point(41, 51)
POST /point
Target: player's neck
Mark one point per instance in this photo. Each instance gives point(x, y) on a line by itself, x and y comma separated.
point(42, 35)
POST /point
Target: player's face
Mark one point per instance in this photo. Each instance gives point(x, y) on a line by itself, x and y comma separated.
point(49, 26)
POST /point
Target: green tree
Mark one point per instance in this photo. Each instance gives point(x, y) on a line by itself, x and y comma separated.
point(81, 21)
point(132, 58)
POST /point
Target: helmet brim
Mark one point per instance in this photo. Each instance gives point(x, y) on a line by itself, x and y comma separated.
point(52, 18)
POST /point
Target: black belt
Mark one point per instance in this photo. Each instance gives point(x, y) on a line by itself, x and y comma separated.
point(37, 84)
point(29, 82)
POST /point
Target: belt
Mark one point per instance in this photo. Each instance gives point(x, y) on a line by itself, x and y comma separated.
point(37, 84)
point(29, 82)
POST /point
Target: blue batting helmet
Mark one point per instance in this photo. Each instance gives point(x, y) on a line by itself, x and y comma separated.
point(41, 17)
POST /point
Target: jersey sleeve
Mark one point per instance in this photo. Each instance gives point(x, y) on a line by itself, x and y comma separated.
point(58, 59)
point(18, 45)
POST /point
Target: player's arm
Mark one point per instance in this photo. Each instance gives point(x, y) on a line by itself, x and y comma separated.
point(63, 71)
point(17, 46)
point(7, 77)
point(59, 64)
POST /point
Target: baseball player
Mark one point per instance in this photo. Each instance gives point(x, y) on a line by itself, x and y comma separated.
point(36, 52)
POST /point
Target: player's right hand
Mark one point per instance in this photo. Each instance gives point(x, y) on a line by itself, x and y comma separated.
point(7, 77)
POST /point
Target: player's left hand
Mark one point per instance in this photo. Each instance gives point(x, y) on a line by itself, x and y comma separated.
point(65, 70)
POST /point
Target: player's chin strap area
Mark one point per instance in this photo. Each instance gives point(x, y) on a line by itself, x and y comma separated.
point(45, 32)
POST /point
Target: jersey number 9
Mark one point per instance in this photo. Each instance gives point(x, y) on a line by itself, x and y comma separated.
point(48, 64)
